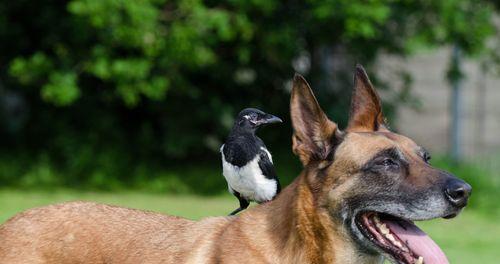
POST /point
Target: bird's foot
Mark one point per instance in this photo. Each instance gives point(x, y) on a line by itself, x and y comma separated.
point(237, 211)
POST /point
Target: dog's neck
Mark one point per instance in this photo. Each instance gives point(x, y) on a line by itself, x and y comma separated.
point(304, 233)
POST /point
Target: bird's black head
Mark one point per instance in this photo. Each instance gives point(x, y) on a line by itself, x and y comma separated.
point(250, 119)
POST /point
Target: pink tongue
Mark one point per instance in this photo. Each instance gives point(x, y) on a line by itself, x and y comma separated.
point(418, 241)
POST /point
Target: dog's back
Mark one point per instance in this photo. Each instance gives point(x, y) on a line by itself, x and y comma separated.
point(82, 232)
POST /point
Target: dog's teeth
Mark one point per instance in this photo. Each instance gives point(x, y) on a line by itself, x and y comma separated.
point(398, 244)
point(383, 228)
point(420, 260)
point(388, 235)
point(386, 232)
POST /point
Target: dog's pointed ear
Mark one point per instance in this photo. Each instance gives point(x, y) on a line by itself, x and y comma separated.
point(315, 136)
point(366, 109)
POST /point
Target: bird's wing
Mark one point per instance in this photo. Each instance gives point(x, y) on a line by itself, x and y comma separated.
point(221, 148)
point(268, 154)
point(267, 167)
point(266, 164)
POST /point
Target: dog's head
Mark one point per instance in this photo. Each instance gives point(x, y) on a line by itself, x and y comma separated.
point(371, 181)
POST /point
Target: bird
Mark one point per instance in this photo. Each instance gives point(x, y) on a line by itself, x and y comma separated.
point(247, 164)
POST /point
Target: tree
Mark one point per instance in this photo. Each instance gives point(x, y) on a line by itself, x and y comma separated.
point(143, 81)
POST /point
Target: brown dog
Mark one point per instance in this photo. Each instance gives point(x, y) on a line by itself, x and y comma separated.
point(354, 202)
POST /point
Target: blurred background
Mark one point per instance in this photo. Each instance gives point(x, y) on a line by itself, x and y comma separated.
point(128, 101)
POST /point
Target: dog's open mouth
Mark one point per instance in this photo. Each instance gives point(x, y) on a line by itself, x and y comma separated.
point(399, 238)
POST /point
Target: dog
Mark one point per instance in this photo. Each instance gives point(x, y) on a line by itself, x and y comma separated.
point(354, 202)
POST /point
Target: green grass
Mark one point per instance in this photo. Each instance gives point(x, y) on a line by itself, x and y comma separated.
point(193, 207)
point(472, 237)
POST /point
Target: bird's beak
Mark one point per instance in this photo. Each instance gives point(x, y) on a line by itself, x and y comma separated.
point(270, 119)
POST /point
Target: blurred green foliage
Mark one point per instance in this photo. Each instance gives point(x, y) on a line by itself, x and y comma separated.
point(105, 93)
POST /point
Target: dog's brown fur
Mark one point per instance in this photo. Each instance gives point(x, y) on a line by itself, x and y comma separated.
point(304, 224)
point(286, 230)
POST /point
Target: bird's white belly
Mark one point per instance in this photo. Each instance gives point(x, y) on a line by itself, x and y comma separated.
point(249, 181)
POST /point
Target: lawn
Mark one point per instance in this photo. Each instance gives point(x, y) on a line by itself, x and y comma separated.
point(471, 238)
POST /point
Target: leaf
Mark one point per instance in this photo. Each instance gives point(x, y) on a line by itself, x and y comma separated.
point(61, 89)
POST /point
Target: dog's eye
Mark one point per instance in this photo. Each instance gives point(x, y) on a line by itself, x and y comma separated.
point(427, 157)
point(388, 162)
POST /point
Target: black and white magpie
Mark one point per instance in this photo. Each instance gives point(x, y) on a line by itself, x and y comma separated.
point(247, 165)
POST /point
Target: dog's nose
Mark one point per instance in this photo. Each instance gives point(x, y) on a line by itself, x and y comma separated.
point(457, 192)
